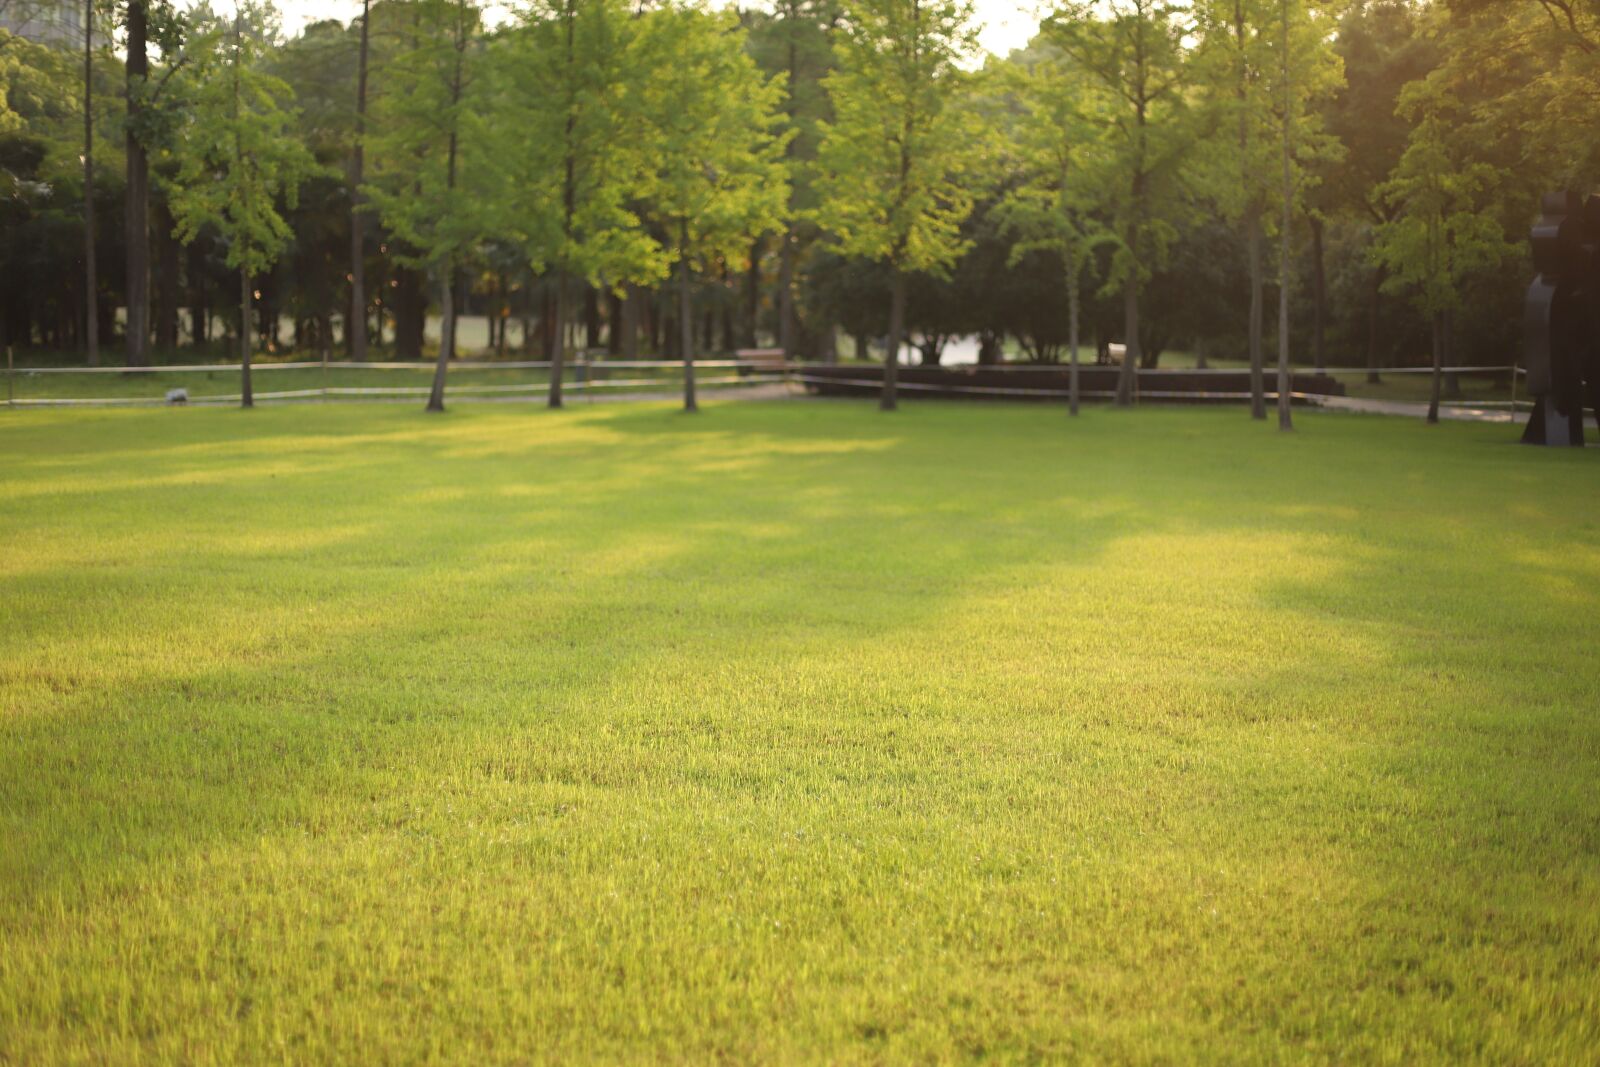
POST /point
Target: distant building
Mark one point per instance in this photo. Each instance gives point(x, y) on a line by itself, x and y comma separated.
point(52, 22)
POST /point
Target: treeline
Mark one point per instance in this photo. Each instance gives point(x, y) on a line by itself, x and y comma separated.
point(669, 178)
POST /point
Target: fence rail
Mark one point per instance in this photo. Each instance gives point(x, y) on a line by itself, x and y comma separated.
point(337, 379)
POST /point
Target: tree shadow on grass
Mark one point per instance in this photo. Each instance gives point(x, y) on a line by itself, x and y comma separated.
point(229, 667)
point(948, 714)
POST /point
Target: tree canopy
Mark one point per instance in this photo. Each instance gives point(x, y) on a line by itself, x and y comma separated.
point(674, 178)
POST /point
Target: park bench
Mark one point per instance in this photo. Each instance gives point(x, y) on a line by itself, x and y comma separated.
point(761, 360)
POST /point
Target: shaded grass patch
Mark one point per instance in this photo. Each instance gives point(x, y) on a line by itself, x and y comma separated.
point(795, 732)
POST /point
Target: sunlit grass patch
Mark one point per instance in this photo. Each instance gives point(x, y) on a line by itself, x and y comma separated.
point(795, 731)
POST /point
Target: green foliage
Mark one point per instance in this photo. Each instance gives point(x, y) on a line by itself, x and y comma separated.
point(1443, 227)
point(1055, 143)
point(36, 83)
point(716, 176)
point(898, 160)
point(11, 65)
point(794, 40)
point(320, 64)
point(1239, 68)
point(1134, 54)
point(571, 81)
point(236, 157)
point(153, 113)
point(1382, 47)
point(430, 134)
point(1523, 74)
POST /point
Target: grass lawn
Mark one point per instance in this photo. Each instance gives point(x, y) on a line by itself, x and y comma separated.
point(794, 731)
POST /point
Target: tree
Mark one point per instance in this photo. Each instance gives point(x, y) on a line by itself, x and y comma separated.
point(1134, 50)
point(1285, 418)
point(355, 327)
point(236, 157)
point(1443, 227)
point(309, 284)
point(91, 308)
point(1382, 48)
point(430, 136)
point(44, 288)
point(146, 22)
point(1236, 64)
point(1050, 209)
point(895, 161)
point(573, 73)
point(717, 178)
point(137, 189)
point(795, 40)
point(10, 65)
point(1307, 69)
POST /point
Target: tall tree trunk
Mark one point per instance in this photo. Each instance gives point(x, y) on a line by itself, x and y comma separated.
point(137, 212)
point(447, 335)
point(527, 315)
point(686, 319)
point(655, 318)
point(167, 297)
point(325, 334)
point(889, 400)
point(355, 328)
point(631, 303)
point(447, 272)
point(1376, 293)
point(1252, 215)
point(1285, 418)
point(1131, 353)
point(789, 238)
point(503, 315)
point(752, 293)
point(786, 318)
point(614, 323)
point(1438, 364)
point(1452, 379)
point(272, 317)
point(569, 207)
point(91, 302)
point(1258, 399)
point(410, 312)
point(591, 318)
point(1319, 295)
point(730, 342)
point(1073, 300)
point(558, 340)
point(247, 396)
point(199, 313)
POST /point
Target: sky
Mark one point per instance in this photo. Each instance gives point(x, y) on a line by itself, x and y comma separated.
point(1007, 24)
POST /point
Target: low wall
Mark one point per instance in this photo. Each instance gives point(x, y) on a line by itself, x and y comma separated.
point(1050, 383)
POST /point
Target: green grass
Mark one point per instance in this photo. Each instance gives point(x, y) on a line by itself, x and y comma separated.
point(794, 731)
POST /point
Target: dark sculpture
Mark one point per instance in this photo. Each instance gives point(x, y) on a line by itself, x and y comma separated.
point(1561, 342)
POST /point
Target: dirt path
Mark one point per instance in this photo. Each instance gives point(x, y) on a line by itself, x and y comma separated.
point(1419, 410)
